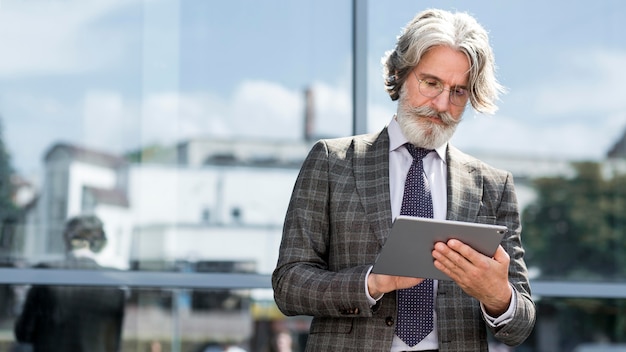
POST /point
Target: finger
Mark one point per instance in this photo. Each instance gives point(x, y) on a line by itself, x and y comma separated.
point(468, 253)
point(449, 268)
point(448, 258)
point(458, 253)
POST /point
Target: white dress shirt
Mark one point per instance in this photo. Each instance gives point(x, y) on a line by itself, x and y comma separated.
point(436, 174)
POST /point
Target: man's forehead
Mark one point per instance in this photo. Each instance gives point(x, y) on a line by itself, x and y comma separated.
point(445, 64)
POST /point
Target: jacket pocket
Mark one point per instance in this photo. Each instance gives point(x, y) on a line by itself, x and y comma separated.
point(331, 325)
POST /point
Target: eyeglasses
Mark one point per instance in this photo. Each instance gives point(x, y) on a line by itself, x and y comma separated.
point(430, 87)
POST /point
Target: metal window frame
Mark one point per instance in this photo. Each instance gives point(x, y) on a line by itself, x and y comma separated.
point(139, 279)
point(359, 66)
point(220, 281)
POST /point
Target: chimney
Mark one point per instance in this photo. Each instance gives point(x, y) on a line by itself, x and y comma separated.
point(309, 114)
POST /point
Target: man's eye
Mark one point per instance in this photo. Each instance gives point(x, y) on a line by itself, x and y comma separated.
point(431, 83)
point(459, 92)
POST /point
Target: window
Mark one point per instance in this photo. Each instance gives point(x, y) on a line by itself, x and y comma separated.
point(558, 130)
point(147, 114)
point(182, 126)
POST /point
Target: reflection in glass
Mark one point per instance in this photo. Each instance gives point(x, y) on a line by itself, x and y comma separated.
point(74, 319)
point(153, 320)
point(182, 126)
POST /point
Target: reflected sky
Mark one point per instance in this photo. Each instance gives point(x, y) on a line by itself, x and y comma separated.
point(115, 75)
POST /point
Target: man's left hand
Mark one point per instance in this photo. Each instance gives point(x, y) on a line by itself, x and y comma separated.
point(482, 277)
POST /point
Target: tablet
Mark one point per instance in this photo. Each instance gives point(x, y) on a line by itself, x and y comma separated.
point(408, 250)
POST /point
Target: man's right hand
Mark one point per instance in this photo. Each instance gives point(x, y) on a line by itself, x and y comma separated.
point(379, 284)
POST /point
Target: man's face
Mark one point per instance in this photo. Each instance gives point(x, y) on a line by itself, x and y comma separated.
point(429, 122)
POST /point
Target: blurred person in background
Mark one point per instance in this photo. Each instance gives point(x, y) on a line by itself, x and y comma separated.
point(74, 319)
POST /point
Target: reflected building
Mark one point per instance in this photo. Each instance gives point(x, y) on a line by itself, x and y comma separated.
point(197, 201)
point(202, 205)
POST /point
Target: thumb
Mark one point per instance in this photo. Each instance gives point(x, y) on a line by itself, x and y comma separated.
point(501, 256)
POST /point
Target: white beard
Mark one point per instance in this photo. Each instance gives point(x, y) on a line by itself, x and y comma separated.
point(422, 132)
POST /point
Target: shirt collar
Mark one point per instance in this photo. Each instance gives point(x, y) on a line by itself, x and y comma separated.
point(397, 139)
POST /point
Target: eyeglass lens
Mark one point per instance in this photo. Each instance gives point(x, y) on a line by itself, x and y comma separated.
point(432, 88)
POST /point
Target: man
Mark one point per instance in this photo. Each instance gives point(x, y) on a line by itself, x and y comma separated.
point(74, 319)
point(350, 189)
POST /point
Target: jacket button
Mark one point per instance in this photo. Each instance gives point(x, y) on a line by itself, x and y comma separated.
point(389, 321)
point(350, 311)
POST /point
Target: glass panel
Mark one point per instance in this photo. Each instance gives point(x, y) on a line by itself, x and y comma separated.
point(572, 183)
point(180, 124)
point(563, 74)
point(561, 131)
point(100, 318)
point(579, 324)
point(212, 320)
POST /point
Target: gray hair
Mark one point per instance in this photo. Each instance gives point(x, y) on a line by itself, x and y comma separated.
point(459, 31)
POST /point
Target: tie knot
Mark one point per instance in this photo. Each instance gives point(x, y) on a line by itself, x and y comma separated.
point(416, 152)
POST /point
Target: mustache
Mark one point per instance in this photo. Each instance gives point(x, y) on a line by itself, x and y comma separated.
point(420, 111)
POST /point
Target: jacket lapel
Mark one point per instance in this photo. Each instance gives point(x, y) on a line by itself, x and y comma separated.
point(464, 186)
point(371, 173)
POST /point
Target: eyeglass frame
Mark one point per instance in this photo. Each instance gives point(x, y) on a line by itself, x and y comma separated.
point(441, 88)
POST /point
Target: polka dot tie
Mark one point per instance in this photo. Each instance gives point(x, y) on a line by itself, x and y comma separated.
point(415, 304)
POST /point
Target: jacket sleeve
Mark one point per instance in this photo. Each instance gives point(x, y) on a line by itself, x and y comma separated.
point(319, 270)
point(519, 328)
point(26, 325)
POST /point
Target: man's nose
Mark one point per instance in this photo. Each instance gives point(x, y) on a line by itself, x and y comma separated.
point(442, 101)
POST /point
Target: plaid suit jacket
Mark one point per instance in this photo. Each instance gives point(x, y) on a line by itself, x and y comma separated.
point(338, 219)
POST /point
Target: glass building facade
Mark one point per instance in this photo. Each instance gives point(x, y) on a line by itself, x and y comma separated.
point(181, 125)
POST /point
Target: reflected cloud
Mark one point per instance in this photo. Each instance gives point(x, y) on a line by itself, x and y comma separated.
point(588, 81)
point(52, 36)
point(575, 110)
point(110, 121)
point(257, 109)
point(573, 140)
